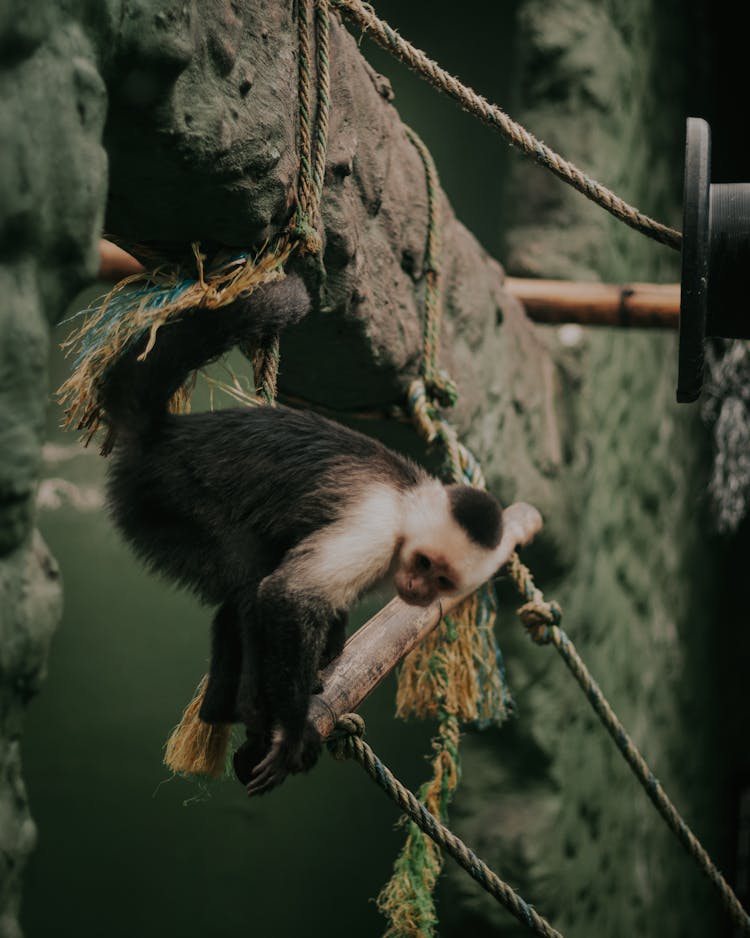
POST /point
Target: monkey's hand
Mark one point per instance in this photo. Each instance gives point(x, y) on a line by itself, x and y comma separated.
point(285, 757)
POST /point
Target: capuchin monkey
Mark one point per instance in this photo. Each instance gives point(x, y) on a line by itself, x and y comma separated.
point(280, 519)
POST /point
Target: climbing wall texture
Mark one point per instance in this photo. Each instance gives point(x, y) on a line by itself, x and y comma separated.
point(52, 183)
point(199, 135)
point(549, 801)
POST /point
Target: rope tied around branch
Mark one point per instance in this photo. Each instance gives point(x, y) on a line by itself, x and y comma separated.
point(456, 674)
point(537, 615)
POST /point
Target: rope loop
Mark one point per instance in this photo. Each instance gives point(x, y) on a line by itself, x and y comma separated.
point(422, 412)
point(342, 743)
point(439, 386)
point(307, 235)
point(538, 618)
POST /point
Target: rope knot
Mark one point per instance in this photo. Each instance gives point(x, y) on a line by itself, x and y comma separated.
point(440, 387)
point(349, 727)
point(308, 236)
point(421, 411)
point(538, 618)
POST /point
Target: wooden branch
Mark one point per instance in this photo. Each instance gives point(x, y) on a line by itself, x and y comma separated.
point(114, 263)
point(378, 646)
point(634, 305)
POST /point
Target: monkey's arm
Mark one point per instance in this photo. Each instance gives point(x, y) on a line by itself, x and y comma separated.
point(293, 625)
point(300, 618)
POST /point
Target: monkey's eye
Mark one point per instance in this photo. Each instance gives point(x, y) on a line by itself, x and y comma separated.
point(422, 562)
point(444, 583)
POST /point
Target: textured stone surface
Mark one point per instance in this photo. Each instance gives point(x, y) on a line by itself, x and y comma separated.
point(549, 801)
point(200, 130)
point(211, 177)
point(52, 178)
point(199, 133)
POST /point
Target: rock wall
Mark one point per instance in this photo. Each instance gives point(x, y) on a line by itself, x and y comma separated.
point(52, 184)
point(199, 132)
point(550, 801)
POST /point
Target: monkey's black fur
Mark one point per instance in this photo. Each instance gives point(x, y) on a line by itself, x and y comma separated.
point(478, 514)
point(215, 501)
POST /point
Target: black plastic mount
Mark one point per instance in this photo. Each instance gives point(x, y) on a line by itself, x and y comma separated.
point(715, 260)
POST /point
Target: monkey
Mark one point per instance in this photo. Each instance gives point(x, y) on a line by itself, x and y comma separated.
point(280, 520)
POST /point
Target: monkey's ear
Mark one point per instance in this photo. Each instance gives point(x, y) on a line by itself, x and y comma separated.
point(521, 523)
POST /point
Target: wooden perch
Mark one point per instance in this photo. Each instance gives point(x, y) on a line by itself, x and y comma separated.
point(639, 305)
point(114, 263)
point(380, 644)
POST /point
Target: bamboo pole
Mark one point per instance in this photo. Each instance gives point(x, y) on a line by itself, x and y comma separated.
point(633, 305)
point(381, 643)
point(114, 263)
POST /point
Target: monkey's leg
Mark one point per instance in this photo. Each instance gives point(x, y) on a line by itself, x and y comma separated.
point(333, 647)
point(336, 637)
point(220, 700)
point(250, 703)
point(294, 629)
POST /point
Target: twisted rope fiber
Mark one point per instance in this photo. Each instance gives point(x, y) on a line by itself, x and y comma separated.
point(364, 16)
point(265, 362)
point(542, 621)
point(312, 169)
point(457, 675)
point(437, 382)
point(304, 196)
point(350, 745)
point(324, 103)
point(312, 157)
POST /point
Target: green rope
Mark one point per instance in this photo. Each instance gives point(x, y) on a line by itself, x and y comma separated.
point(313, 149)
point(407, 899)
point(349, 744)
point(542, 620)
point(387, 37)
point(437, 383)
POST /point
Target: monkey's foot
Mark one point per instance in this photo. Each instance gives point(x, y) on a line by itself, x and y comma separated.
point(284, 758)
point(248, 755)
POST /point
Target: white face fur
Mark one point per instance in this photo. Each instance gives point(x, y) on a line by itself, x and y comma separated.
point(412, 535)
point(436, 557)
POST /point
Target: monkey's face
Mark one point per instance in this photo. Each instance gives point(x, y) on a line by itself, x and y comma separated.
point(422, 577)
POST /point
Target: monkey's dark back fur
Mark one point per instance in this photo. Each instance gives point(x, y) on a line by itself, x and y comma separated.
point(207, 498)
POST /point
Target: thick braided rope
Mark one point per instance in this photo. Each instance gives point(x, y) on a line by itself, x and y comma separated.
point(542, 620)
point(304, 92)
point(312, 150)
point(265, 363)
point(324, 104)
point(437, 382)
point(312, 159)
point(364, 16)
point(351, 745)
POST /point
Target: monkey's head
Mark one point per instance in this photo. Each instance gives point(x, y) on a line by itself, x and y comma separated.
point(449, 542)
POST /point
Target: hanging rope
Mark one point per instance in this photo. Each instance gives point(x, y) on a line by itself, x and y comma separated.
point(364, 16)
point(168, 290)
point(542, 621)
point(456, 675)
point(194, 748)
point(305, 228)
point(349, 744)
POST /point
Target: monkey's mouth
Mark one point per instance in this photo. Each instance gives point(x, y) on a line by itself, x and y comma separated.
point(413, 598)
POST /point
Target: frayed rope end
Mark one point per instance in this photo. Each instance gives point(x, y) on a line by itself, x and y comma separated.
point(195, 747)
